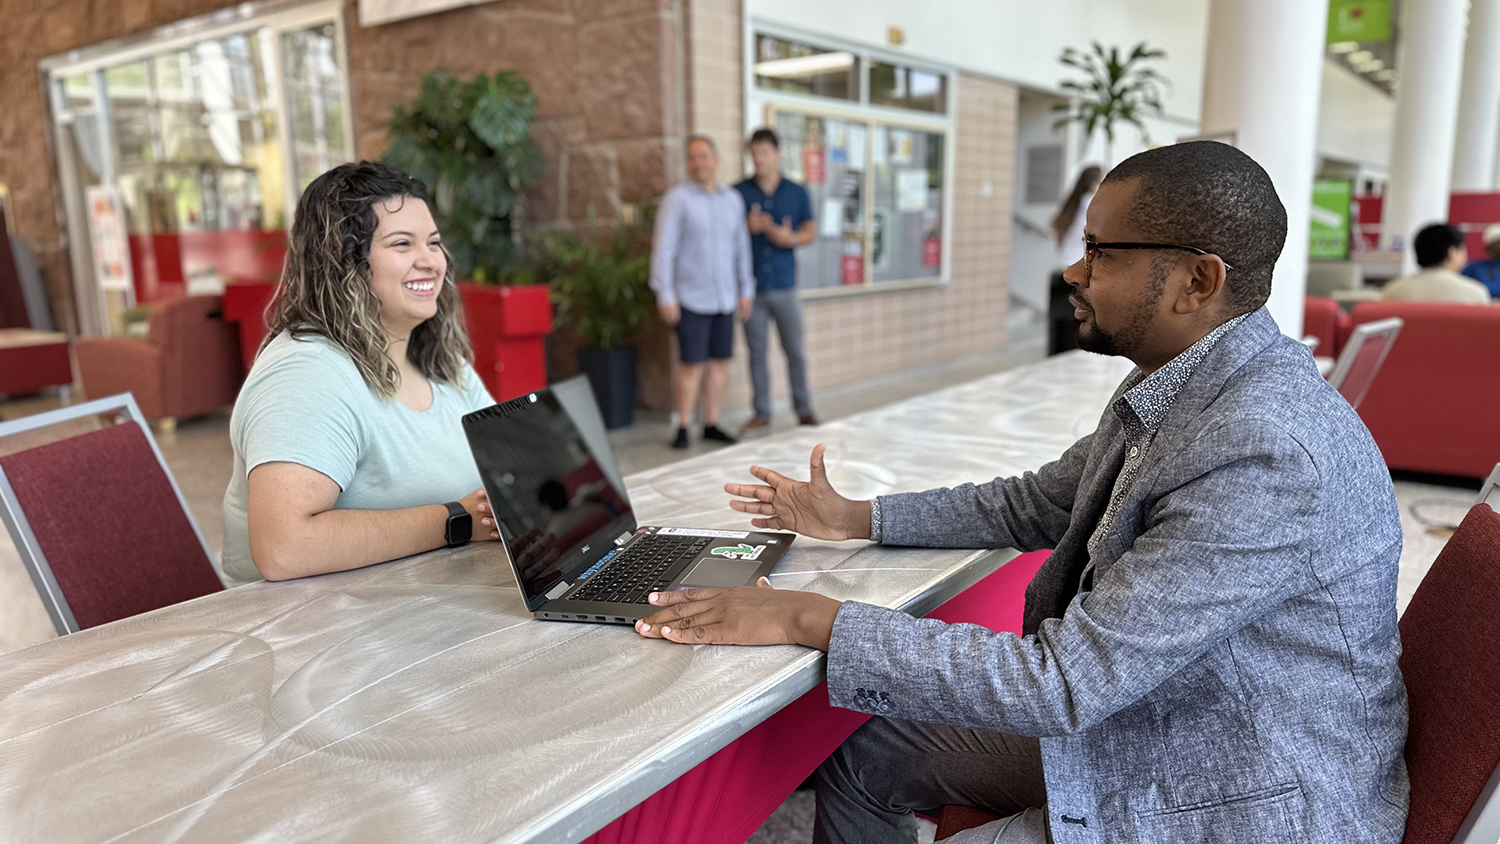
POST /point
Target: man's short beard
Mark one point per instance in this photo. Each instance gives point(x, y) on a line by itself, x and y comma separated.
point(1132, 337)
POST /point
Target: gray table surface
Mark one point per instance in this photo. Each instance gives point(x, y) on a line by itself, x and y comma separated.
point(417, 700)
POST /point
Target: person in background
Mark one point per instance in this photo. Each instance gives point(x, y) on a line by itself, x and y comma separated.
point(1487, 272)
point(700, 272)
point(780, 220)
point(347, 444)
point(1067, 227)
point(1441, 254)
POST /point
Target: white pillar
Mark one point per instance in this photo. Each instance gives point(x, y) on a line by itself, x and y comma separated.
point(1479, 100)
point(1262, 80)
point(1430, 64)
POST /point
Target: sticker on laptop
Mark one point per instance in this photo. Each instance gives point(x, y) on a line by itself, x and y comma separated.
point(739, 552)
point(716, 534)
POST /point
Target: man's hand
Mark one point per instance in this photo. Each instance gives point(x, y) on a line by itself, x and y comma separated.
point(758, 221)
point(746, 307)
point(782, 234)
point(811, 508)
point(744, 615)
point(670, 313)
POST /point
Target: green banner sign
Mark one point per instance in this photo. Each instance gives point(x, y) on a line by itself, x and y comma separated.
point(1330, 219)
point(1359, 20)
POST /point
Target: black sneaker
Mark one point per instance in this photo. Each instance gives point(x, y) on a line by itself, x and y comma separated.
point(682, 440)
point(714, 432)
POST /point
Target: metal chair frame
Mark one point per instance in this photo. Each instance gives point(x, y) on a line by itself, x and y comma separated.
point(20, 530)
point(1387, 327)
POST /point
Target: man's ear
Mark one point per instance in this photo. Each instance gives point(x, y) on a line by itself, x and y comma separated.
point(1205, 285)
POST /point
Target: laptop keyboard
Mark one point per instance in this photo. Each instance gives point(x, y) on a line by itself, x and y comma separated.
point(647, 566)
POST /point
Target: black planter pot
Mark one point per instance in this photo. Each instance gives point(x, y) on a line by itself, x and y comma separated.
point(611, 372)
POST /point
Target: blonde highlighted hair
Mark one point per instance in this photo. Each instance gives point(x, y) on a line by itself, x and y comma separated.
point(325, 285)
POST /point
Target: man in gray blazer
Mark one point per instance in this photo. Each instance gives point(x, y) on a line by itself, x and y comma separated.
point(1209, 654)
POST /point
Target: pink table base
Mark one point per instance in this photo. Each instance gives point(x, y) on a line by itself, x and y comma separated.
point(730, 794)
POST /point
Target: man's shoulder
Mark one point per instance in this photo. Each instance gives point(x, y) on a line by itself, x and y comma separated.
point(792, 187)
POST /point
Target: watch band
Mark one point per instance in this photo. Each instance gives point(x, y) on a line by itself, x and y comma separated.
point(460, 526)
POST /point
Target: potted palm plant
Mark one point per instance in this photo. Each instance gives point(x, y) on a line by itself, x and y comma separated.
point(470, 143)
point(599, 285)
point(1114, 89)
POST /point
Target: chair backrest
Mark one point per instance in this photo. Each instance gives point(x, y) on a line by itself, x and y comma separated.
point(1321, 318)
point(1450, 636)
point(99, 522)
point(1490, 492)
point(1361, 358)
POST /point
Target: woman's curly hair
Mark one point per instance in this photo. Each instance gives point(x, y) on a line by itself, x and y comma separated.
point(325, 285)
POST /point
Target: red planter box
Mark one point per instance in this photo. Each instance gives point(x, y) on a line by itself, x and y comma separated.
point(245, 303)
point(506, 326)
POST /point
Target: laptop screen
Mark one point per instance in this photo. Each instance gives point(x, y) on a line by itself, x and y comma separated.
point(557, 497)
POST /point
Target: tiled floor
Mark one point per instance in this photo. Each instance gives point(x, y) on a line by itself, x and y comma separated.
point(199, 456)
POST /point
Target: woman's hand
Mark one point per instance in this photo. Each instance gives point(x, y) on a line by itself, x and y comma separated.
point(811, 508)
point(478, 505)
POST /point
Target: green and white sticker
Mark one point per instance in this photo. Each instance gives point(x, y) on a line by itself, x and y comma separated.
point(739, 552)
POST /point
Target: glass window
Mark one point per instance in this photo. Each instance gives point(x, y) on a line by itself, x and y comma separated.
point(908, 87)
point(906, 241)
point(315, 102)
point(827, 156)
point(894, 234)
point(785, 65)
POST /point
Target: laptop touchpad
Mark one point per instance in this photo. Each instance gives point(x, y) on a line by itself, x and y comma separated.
point(716, 571)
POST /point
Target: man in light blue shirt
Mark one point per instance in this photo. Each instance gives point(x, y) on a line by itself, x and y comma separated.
point(700, 272)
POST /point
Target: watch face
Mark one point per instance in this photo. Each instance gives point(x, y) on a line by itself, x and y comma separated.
point(460, 529)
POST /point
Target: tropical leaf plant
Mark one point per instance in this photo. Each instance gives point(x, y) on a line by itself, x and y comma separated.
point(1114, 89)
point(599, 279)
point(470, 143)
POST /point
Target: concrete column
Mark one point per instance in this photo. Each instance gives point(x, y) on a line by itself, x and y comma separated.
point(1479, 100)
point(1262, 80)
point(1430, 64)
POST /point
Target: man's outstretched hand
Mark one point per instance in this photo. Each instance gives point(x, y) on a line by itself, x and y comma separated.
point(811, 508)
point(743, 615)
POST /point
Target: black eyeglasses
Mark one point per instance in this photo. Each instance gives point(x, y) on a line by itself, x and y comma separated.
point(1092, 248)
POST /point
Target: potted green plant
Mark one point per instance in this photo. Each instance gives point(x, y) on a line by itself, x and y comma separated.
point(599, 286)
point(1114, 89)
point(470, 143)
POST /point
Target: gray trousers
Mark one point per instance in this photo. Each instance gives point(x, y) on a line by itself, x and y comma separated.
point(786, 308)
point(869, 788)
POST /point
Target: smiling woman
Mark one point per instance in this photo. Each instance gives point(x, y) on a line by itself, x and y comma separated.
point(348, 449)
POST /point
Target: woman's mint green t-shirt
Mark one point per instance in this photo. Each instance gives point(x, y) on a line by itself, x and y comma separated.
point(305, 402)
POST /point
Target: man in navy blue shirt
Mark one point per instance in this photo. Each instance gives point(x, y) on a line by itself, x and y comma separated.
point(780, 219)
point(1487, 272)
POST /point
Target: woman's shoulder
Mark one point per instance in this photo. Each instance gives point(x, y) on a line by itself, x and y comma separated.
point(310, 361)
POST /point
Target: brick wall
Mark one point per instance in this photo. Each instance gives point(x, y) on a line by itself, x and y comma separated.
point(605, 73)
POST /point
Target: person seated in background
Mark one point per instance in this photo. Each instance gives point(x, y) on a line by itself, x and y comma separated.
point(1441, 254)
point(1487, 272)
point(1209, 653)
point(348, 449)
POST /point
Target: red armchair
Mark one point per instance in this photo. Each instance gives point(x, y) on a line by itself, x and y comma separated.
point(1435, 407)
point(188, 366)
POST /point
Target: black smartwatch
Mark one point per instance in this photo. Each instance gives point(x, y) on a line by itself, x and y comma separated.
point(460, 524)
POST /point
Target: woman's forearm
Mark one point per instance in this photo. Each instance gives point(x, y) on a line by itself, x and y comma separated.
point(339, 540)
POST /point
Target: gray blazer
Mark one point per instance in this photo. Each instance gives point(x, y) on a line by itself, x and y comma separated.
point(1231, 676)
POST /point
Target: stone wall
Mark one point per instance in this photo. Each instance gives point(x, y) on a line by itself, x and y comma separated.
point(605, 73)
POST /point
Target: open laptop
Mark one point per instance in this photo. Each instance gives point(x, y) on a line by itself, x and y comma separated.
point(566, 520)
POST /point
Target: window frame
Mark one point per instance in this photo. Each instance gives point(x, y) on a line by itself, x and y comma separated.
point(763, 104)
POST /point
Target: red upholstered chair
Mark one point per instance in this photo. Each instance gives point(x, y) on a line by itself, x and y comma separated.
point(189, 365)
point(100, 523)
point(1322, 318)
point(1362, 357)
point(1450, 658)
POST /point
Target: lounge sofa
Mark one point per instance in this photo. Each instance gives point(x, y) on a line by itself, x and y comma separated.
point(1435, 405)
